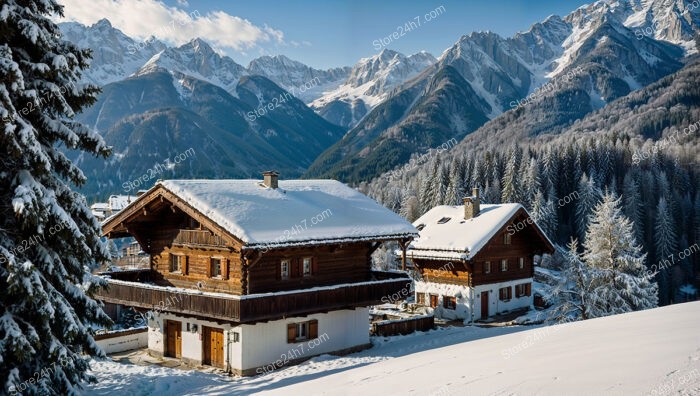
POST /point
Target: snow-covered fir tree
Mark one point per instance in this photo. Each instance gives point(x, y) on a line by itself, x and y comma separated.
point(665, 229)
point(610, 248)
point(575, 297)
point(586, 199)
point(48, 237)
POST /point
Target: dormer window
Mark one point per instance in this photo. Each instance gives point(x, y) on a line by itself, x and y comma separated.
point(420, 227)
point(444, 220)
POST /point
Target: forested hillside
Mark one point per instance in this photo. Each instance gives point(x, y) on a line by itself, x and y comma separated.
point(643, 147)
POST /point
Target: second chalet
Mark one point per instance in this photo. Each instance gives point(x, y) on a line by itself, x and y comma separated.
point(476, 260)
point(248, 275)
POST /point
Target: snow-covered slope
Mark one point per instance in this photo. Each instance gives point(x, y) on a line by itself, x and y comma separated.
point(369, 83)
point(649, 352)
point(115, 56)
point(652, 352)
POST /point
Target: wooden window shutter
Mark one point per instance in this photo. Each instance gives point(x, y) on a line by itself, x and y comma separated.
point(313, 329)
point(500, 294)
point(224, 269)
point(185, 265)
point(166, 260)
point(291, 333)
point(528, 290)
point(314, 266)
point(278, 270)
point(295, 268)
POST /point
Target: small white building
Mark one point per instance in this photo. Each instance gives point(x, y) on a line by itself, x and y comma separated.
point(476, 260)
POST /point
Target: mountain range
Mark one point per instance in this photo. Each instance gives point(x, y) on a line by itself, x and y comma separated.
point(280, 113)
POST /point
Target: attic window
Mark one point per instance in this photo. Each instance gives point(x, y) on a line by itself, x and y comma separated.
point(420, 227)
point(444, 220)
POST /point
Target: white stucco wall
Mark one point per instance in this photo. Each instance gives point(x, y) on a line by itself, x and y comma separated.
point(265, 343)
point(192, 343)
point(464, 294)
point(123, 343)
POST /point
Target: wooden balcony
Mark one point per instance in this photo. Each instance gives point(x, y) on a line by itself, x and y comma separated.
point(198, 238)
point(255, 307)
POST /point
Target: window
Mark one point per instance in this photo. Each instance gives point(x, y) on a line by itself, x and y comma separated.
point(521, 263)
point(504, 265)
point(420, 298)
point(449, 302)
point(420, 227)
point(444, 220)
point(505, 293)
point(307, 266)
point(215, 267)
point(433, 300)
point(522, 289)
point(506, 239)
point(236, 336)
point(487, 267)
point(302, 331)
point(284, 269)
point(177, 263)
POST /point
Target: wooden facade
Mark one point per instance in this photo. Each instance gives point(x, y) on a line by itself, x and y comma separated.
point(171, 231)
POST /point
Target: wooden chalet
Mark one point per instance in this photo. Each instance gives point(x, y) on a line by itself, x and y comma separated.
point(243, 271)
point(476, 260)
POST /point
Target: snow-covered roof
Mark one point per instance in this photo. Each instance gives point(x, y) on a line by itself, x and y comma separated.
point(296, 213)
point(119, 202)
point(445, 234)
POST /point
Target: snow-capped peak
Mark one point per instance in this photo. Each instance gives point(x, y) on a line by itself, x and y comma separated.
point(370, 82)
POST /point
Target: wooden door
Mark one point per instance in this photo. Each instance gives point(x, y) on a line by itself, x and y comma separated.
point(484, 305)
point(433, 300)
point(213, 346)
point(173, 338)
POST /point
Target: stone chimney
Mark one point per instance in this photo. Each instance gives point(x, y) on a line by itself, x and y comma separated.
point(472, 205)
point(270, 179)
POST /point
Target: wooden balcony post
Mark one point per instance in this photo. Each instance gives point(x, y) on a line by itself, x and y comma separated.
point(404, 244)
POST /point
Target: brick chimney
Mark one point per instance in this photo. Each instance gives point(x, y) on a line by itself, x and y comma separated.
point(472, 205)
point(270, 179)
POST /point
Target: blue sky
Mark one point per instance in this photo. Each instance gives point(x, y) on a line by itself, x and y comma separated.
point(319, 33)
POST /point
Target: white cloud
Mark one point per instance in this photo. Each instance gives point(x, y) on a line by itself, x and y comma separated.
point(183, 3)
point(145, 18)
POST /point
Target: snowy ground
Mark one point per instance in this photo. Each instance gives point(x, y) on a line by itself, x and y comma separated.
point(128, 379)
point(651, 352)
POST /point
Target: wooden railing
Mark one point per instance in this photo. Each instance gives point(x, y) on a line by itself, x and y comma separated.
point(403, 326)
point(198, 237)
point(250, 308)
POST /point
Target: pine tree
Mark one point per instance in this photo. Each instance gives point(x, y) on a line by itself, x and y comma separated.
point(665, 231)
point(633, 204)
point(576, 297)
point(544, 213)
point(428, 187)
point(48, 237)
point(610, 248)
point(588, 197)
point(511, 185)
point(440, 188)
